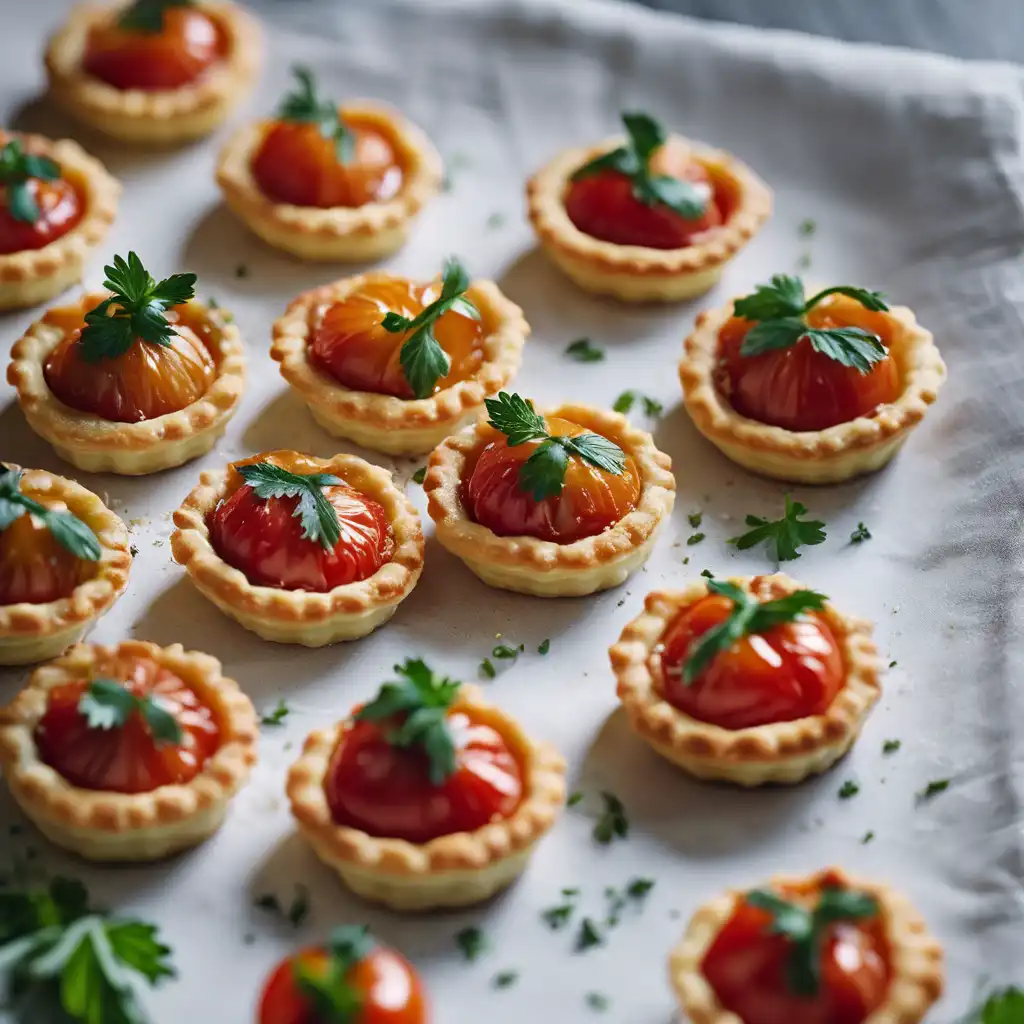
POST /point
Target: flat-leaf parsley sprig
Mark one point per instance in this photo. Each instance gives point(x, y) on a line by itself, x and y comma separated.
point(328, 988)
point(17, 168)
point(318, 516)
point(423, 360)
point(307, 107)
point(779, 312)
point(65, 527)
point(783, 536)
point(108, 704)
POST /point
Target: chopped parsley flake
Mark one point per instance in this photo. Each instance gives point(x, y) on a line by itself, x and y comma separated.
point(589, 935)
point(277, 716)
point(597, 1001)
point(584, 351)
point(505, 979)
point(420, 475)
point(695, 538)
point(472, 942)
point(861, 534)
point(848, 789)
point(933, 788)
point(891, 746)
point(487, 669)
point(868, 836)
point(807, 227)
point(695, 519)
point(545, 646)
point(613, 821)
point(574, 798)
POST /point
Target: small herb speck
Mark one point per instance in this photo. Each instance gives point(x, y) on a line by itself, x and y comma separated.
point(574, 798)
point(506, 979)
point(589, 936)
point(613, 821)
point(848, 789)
point(472, 942)
point(597, 1001)
point(891, 746)
point(639, 888)
point(807, 227)
point(584, 351)
point(695, 519)
point(299, 909)
point(487, 669)
point(868, 836)
point(420, 475)
point(544, 646)
point(134, 549)
point(861, 534)
point(933, 788)
point(707, 574)
point(277, 716)
point(892, 664)
point(695, 538)
point(624, 402)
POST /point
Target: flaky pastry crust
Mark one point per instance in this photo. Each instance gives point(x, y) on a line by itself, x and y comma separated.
point(636, 273)
point(31, 276)
point(385, 423)
point(35, 632)
point(297, 616)
point(825, 456)
point(337, 233)
point(786, 752)
point(165, 116)
point(915, 957)
point(544, 568)
point(109, 826)
point(451, 871)
point(130, 449)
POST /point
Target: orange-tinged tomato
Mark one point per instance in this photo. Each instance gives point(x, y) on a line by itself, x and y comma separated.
point(295, 164)
point(34, 567)
point(391, 990)
point(591, 499)
point(797, 388)
point(350, 345)
point(127, 759)
point(386, 791)
point(791, 671)
point(189, 43)
point(264, 540)
point(60, 209)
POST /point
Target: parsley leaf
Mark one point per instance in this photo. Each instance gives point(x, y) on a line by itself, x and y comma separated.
point(933, 788)
point(861, 534)
point(544, 646)
point(625, 402)
point(891, 746)
point(848, 790)
point(306, 107)
point(277, 716)
point(589, 935)
point(639, 888)
point(613, 821)
point(107, 704)
point(487, 669)
point(148, 15)
point(17, 169)
point(65, 527)
point(783, 536)
point(583, 351)
point(318, 516)
point(420, 475)
point(597, 1001)
point(472, 942)
point(1002, 1007)
point(505, 979)
point(327, 987)
point(575, 797)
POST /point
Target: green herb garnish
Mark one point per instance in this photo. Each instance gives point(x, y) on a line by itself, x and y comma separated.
point(277, 716)
point(298, 910)
point(17, 169)
point(472, 942)
point(1003, 1007)
point(613, 821)
point(66, 528)
point(306, 107)
point(639, 888)
point(695, 538)
point(867, 838)
point(807, 227)
point(332, 997)
point(933, 788)
point(318, 516)
point(505, 979)
point(505, 652)
point(575, 797)
point(420, 475)
point(148, 15)
point(861, 534)
point(783, 536)
point(625, 402)
point(891, 746)
point(487, 669)
point(544, 646)
point(597, 1001)
point(583, 351)
point(107, 704)
point(848, 790)
point(589, 935)
point(557, 917)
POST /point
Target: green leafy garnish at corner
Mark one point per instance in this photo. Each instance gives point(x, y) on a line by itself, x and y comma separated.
point(779, 312)
point(806, 929)
point(332, 998)
point(1005, 1006)
point(645, 137)
point(55, 947)
point(17, 168)
point(783, 536)
point(613, 822)
point(472, 942)
point(583, 350)
point(421, 699)
point(861, 534)
point(148, 15)
point(305, 106)
point(277, 716)
point(748, 616)
point(318, 516)
point(107, 704)
point(135, 311)
point(66, 528)
point(423, 360)
point(543, 473)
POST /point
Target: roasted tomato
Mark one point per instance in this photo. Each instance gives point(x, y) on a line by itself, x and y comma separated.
point(60, 209)
point(797, 388)
point(127, 759)
point(34, 567)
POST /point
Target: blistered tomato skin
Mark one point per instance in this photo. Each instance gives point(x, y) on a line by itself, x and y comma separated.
point(591, 499)
point(264, 540)
point(391, 991)
point(34, 568)
point(60, 209)
point(386, 791)
point(126, 759)
point(789, 672)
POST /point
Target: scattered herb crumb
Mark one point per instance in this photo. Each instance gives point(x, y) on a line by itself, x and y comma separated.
point(695, 519)
point(848, 789)
point(505, 979)
point(420, 475)
point(639, 888)
point(556, 918)
point(589, 935)
point(570, 892)
point(625, 402)
point(707, 574)
point(868, 836)
point(299, 909)
point(584, 351)
point(241, 270)
point(544, 646)
point(933, 788)
point(574, 798)
point(652, 407)
point(613, 821)
point(807, 227)
point(487, 669)
point(503, 652)
point(861, 534)
point(891, 746)
point(695, 538)
point(892, 664)
point(597, 1001)
point(472, 942)
point(277, 716)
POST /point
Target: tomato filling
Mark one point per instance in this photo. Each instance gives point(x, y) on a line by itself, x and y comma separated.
point(60, 208)
point(797, 388)
point(126, 759)
point(386, 790)
point(34, 568)
point(189, 43)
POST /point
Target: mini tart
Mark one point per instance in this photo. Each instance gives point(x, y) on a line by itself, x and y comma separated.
point(338, 233)
point(915, 957)
point(384, 423)
point(347, 612)
point(636, 273)
point(165, 116)
point(32, 276)
point(850, 449)
point(784, 752)
point(540, 567)
point(110, 826)
point(98, 445)
point(35, 632)
point(454, 870)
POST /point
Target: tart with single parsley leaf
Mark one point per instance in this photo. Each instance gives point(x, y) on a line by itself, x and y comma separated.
point(330, 182)
point(132, 381)
point(64, 561)
point(56, 205)
point(555, 505)
point(749, 680)
point(128, 753)
point(824, 949)
point(813, 389)
point(646, 217)
point(301, 550)
point(350, 978)
point(427, 796)
point(154, 71)
point(397, 365)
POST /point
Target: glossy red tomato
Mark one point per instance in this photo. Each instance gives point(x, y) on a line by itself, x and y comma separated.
point(60, 209)
point(33, 567)
point(189, 43)
point(386, 791)
point(127, 759)
point(591, 499)
point(392, 991)
point(789, 672)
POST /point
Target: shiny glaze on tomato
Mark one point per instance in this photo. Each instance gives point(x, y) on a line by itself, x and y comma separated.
point(392, 991)
point(797, 388)
point(386, 791)
point(60, 209)
point(746, 966)
point(189, 43)
point(145, 382)
point(591, 499)
point(791, 671)
point(349, 344)
point(34, 568)
point(126, 759)
point(295, 164)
